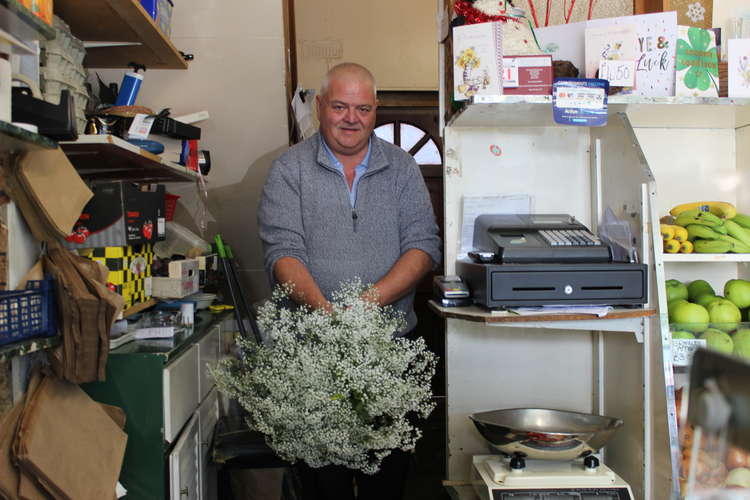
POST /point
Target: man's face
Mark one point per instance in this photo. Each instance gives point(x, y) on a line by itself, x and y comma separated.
point(347, 115)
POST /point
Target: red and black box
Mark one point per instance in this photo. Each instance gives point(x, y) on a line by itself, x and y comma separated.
point(120, 214)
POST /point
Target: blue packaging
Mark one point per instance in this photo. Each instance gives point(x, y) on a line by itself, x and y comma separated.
point(161, 12)
point(131, 84)
point(580, 101)
point(150, 7)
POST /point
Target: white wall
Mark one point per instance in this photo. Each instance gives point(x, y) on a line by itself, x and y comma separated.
point(238, 76)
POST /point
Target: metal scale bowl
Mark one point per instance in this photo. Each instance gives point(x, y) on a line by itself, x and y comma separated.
point(546, 454)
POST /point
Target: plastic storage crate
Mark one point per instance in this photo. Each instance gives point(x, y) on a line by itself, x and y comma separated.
point(28, 313)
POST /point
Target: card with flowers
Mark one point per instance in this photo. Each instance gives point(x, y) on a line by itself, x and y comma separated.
point(477, 60)
point(738, 60)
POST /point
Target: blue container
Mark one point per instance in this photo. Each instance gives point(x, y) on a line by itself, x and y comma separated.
point(161, 12)
point(131, 84)
point(150, 6)
point(28, 313)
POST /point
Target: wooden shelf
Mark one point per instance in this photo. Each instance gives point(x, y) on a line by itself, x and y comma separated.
point(706, 257)
point(27, 347)
point(106, 157)
point(119, 21)
point(21, 23)
point(481, 315)
point(16, 139)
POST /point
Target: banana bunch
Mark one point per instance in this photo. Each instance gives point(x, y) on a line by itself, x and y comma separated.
point(675, 239)
point(712, 227)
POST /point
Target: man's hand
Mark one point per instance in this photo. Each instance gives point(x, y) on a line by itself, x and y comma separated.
point(305, 290)
point(403, 276)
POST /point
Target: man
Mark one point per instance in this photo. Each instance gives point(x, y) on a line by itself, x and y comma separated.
point(345, 204)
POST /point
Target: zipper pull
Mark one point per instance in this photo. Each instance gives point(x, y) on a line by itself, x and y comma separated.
point(354, 220)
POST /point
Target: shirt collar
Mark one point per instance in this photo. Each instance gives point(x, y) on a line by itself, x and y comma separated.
point(364, 163)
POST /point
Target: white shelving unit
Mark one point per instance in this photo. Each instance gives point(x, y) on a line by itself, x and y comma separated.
point(687, 149)
point(570, 364)
point(697, 152)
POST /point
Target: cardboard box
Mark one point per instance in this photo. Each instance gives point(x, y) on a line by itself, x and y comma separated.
point(182, 281)
point(129, 270)
point(527, 75)
point(118, 215)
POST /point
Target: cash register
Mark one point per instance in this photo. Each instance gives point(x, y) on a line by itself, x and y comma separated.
point(542, 259)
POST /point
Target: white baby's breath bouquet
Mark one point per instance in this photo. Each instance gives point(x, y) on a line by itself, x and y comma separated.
point(332, 387)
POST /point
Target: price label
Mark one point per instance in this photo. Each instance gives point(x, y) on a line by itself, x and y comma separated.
point(141, 126)
point(582, 98)
point(683, 350)
point(619, 73)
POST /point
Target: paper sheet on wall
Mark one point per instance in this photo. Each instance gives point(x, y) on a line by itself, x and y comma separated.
point(302, 106)
point(474, 206)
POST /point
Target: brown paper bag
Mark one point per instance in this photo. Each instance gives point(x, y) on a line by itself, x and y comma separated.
point(54, 187)
point(13, 484)
point(69, 443)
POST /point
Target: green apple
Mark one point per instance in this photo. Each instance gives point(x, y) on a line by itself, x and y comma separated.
point(699, 287)
point(738, 291)
point(690, 317)
point(671, 305)
point(676, 290)
point(682, 334)
point(741, 339)
point(724, 315)
point(718, 340)
point(706, 299)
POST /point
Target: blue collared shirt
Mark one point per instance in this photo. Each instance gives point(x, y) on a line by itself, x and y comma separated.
point(358, 170)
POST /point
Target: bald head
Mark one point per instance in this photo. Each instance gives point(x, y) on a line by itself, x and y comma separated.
point(348, 72)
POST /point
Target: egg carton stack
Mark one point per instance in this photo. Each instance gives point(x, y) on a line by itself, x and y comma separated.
point(61, 67)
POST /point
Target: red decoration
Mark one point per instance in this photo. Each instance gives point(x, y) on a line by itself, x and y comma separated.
point(473, 16)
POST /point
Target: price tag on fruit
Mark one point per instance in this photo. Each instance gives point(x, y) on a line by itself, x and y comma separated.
point(683, 350)
point(618, 73)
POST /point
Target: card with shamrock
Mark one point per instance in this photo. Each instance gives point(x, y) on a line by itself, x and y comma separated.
point(696, 63)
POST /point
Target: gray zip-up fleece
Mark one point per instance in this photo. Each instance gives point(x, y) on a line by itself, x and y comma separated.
point(305, 213)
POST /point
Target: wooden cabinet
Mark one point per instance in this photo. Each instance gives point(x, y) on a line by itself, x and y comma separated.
point(170, 414)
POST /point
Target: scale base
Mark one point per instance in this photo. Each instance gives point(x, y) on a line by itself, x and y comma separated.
point(493, 479)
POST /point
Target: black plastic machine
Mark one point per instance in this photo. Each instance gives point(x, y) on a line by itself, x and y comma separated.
point(535, 259)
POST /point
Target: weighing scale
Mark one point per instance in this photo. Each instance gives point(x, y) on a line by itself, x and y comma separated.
point(493, 478)
point(546, 455)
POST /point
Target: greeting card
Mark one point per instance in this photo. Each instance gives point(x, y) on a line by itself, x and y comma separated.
point(656, 36)
point(696, 64)
point(477, 60)
point(611, 43)
point(738, 67)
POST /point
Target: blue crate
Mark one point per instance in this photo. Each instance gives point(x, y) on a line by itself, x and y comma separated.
point(28, 313)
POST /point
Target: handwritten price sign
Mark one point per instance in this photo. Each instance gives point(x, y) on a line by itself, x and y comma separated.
point(683, 350)
point(619, 73)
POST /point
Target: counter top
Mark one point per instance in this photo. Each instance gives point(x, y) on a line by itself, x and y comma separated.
point(172, 347)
